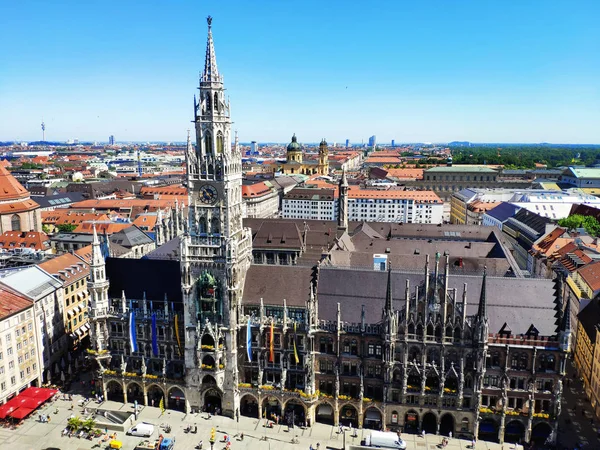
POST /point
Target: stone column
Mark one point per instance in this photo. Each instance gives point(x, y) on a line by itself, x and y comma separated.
point(260, 402)
point(360, 414)
point(124, 392)
point(145, 396)
point(336, 413)
point(502, 427)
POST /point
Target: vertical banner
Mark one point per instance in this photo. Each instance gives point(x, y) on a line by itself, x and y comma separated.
point(271, 344)
point(177, 335)
point(249, 339)
point(295, 349)
point(154, 336)
point(132, 332)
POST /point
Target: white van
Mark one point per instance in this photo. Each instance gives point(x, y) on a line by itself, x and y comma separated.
point(142, 430)
point(385, 440)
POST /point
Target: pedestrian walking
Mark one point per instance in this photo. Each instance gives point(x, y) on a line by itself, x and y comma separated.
point(423, 433)
point(450, 435)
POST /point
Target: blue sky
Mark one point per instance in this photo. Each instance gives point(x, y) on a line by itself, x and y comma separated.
point(413, 71)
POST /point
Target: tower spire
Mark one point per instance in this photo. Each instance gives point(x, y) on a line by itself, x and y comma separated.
point(211, 73)
point(343, 203)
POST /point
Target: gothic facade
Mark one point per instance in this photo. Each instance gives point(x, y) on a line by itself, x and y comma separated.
point(309, 329)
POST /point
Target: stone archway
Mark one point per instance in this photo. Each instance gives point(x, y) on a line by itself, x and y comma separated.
point(324, 414)
point(176, 398)
point(488, 430)
point(155, 393)
point(540, 433)
point(294, 413)
point(348, 416)
point(411, 422)
point(271, 407)
point(372, 419)
point(447, 425)
point(114, 391)
point(514, 431)
point(429, 424)
point(212, 400)
point(135, 392)
point(249, 406)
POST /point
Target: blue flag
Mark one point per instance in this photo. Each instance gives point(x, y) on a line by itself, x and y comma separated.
point(132, 332)
point(249, 340)
point(154, 336)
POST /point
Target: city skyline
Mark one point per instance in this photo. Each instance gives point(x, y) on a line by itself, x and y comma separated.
point(465, 71)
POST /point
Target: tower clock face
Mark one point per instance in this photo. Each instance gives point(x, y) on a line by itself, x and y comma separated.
point(208, 194)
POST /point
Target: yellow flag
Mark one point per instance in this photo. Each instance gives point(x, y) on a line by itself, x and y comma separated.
point(161, 405)
point(295, 349)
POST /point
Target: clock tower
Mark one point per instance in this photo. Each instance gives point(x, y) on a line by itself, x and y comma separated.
point(216, 250)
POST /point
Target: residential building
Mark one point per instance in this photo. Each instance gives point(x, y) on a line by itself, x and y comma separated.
point(72, 271)
point(589, 318)
point(19, 361)
point(261, 200)
point(497, 216)
point(25, 241)
point(47, 295)
point(309, 203)
point(581, 177)
point(132, 243)
point(595, 383)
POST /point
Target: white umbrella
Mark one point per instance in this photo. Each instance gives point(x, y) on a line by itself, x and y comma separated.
point(62, 376)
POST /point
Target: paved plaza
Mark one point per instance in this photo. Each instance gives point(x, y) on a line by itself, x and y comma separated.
point(576, 427)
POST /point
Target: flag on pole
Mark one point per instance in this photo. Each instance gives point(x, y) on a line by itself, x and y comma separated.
point(249, 340)
point(177, 334)
point(154, 336)
point(295, 349)
point(161, 405)
point(271, 344)
point(132, 332)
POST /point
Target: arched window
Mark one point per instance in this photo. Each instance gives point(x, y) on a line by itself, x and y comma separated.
point(208, 105)
point(214, 225)
point(220, 145)
point(15, 223)
point(208, 146)
point(216, 102)
point(202, 225)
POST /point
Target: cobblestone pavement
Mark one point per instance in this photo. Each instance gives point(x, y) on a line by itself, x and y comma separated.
point(576, 425)
point(574, 429)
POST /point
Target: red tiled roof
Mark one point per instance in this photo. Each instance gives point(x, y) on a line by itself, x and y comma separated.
point(255, 190)
point(101, 227)
point(591, 274)
point(68, 267)
point(12, 302)
point(58, 217)
point(36, 240)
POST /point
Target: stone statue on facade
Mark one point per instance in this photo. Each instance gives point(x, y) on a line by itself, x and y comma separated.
point(123, 364)
point(143, 368)
point(164, 368)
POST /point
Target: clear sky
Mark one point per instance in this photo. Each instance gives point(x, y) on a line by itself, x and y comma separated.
point(413, 71)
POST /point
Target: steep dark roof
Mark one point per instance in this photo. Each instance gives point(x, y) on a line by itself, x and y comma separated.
point(503, 211)
point(589, 318)
point(130, 237)
point(356, 287)
point(136, 276)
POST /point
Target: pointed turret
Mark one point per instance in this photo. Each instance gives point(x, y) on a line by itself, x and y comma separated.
point(211, 73)
point(343, 202)
point(482, 310)
point(565, 328)
point(389, 307)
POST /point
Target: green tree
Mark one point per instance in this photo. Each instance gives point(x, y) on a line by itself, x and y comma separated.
point(66, 227)
point(74, 423)
point(88, 424)
point(589, 223)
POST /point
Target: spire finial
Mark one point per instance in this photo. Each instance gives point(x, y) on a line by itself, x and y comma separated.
point(209, 21)
point(210, 65)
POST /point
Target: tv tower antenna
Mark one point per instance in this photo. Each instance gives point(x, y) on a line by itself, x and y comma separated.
point(43, 131)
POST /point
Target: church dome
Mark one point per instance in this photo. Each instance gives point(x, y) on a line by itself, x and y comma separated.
point(294, 146)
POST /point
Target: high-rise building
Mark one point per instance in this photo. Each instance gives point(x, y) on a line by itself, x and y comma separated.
point(111, 140)
point(347, 143)
point(253, 148)
point(372, 141)
point(393, 143)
